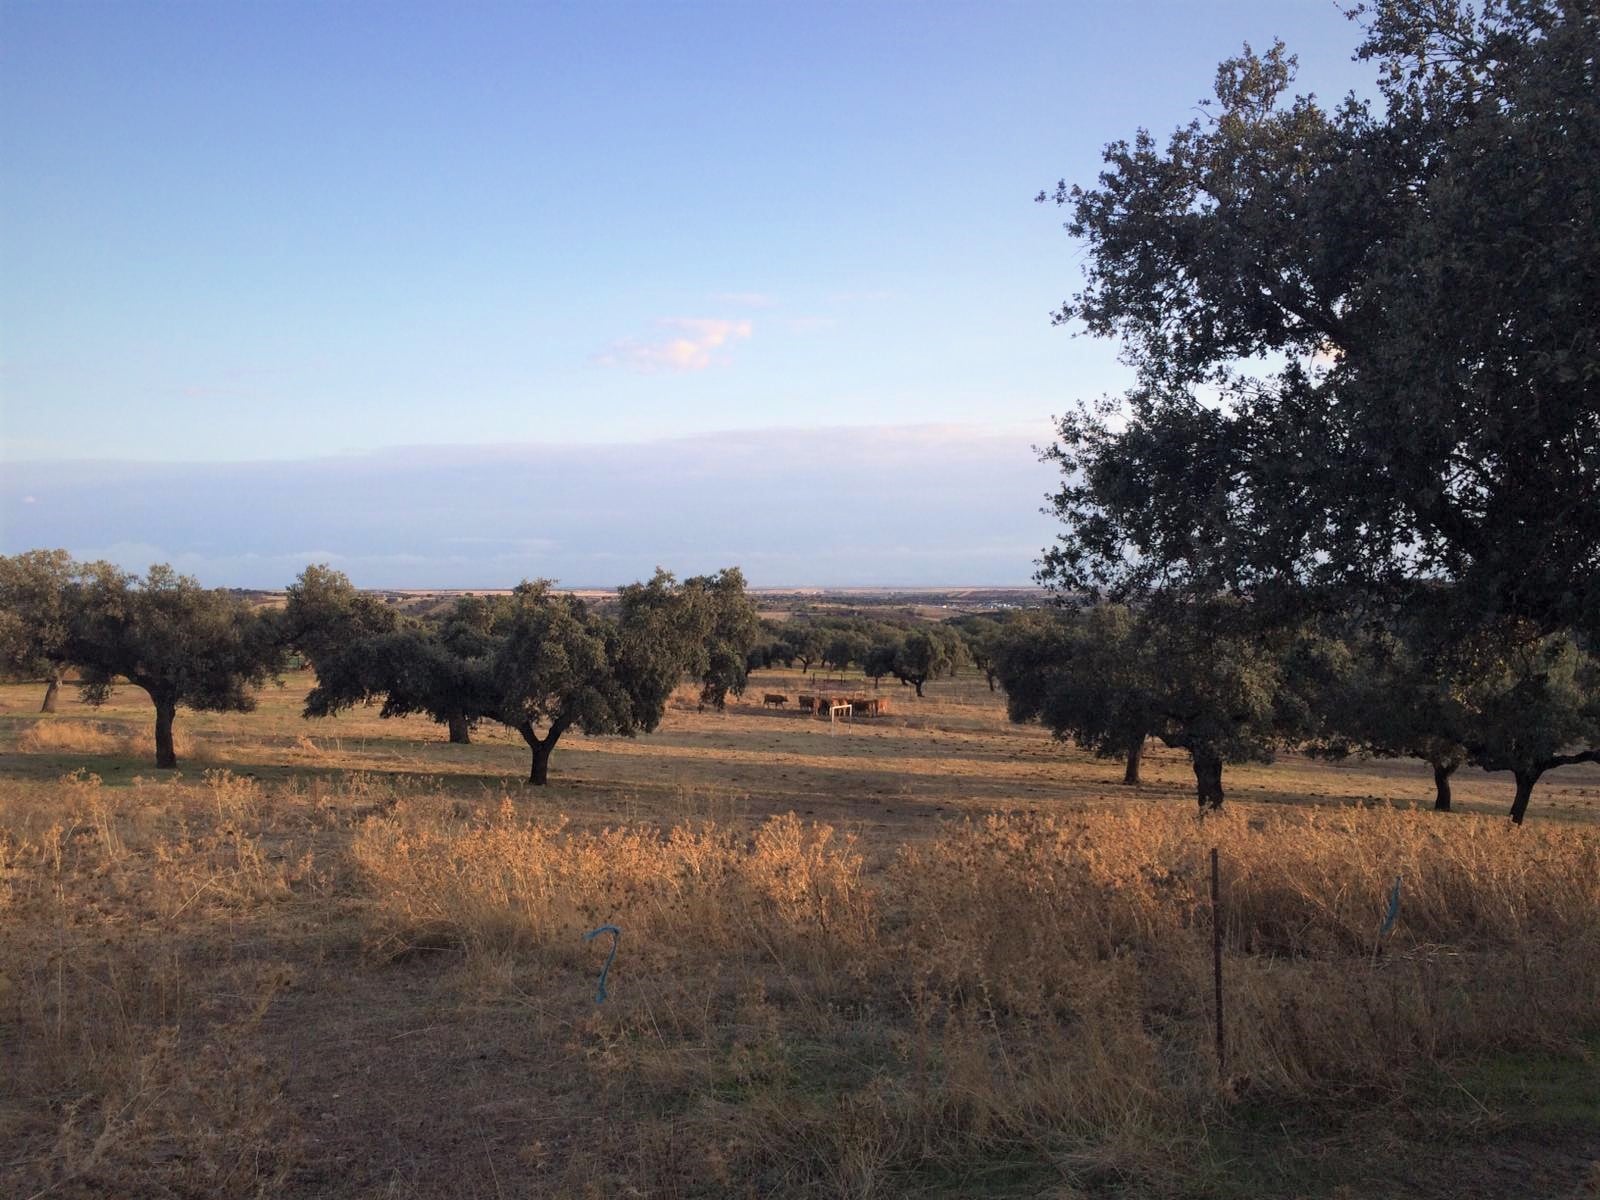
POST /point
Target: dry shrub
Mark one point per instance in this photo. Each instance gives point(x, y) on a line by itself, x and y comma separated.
point(92, 737)
point(1032, 989)
point(82, 737)
point(1042, 915)
point(1022, 902)
point(507, 882)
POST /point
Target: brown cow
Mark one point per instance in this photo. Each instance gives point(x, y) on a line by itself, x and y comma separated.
point(772, 700)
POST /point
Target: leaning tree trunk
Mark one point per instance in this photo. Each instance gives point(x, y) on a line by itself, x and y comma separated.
point(51, 691)
point(1130, 777)
point(1208, 780)
point(917, 683)
point(1525, 781)
point(1441, 786)
point(166, 755)
point(460, 730)
point(990, 675)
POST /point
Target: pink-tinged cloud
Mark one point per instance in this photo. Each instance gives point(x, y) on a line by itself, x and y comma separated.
point(694, 348)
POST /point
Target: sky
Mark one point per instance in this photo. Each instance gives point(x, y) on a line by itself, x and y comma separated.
point(369, 281)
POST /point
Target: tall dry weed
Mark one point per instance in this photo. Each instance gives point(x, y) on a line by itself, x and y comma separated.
point(127, 1012)
point(504, 882)
point(68, 737)
point(1027, 986)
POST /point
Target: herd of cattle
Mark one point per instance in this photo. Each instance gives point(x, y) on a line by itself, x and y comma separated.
point(857, 706)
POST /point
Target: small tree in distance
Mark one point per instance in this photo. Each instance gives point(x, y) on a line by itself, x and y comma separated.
point(984, 638)
point(540, 662)
point(1195, 674)
point(1533, 706)
point(724, 633)
point(1087, 677)
point(1401, 698)
point(880, 658)
point(183, 644)
point(926, 654)
point(35, 616)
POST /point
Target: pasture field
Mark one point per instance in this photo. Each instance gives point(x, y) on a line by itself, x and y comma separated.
point(934, 954)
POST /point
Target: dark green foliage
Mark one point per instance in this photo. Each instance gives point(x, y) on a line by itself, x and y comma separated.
point(185, 645)
point(880, 658)
point(35, 616)
point(363, 650)
point(1084, 676)
point(325, 612)
point(1201, 677)
point(1533, 704)
point(1501, 696)
point(539, 662)
point(804, 642)
point(1400, 697)
point(844, 648)
point(724, 629)
point(983, 637)
point(927, 653)
point(1367, 341)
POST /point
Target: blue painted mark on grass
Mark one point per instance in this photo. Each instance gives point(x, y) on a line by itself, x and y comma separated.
point(1390, 917)
point(616, 936)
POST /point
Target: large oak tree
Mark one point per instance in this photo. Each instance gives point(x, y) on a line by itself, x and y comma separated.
point(1367, 335)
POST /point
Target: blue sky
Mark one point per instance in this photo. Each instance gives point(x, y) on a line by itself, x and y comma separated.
point(294, 232)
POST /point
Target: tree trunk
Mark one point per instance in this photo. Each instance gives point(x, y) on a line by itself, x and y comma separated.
point(1208, 780)
point(917, 683)
point(166, 756)
point(460, 730)
point(52, 689)
point(1130, 777)
point(990, 674)
point(542, 747)
point(539, 776)
point(1525, 781)
point(1441, 787)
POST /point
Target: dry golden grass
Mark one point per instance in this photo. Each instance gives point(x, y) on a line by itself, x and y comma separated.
point(348, 961)
point(92, 739)
point(1043, 982)
point(132, 1064)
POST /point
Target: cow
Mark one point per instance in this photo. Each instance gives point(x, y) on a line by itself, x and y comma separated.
point(772, 700)
point(808, 703)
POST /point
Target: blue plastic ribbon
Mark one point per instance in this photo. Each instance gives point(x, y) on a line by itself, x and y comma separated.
point(616, 936)
point(1394, 909)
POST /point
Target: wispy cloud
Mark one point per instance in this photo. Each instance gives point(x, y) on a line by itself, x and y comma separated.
point(694, 345)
